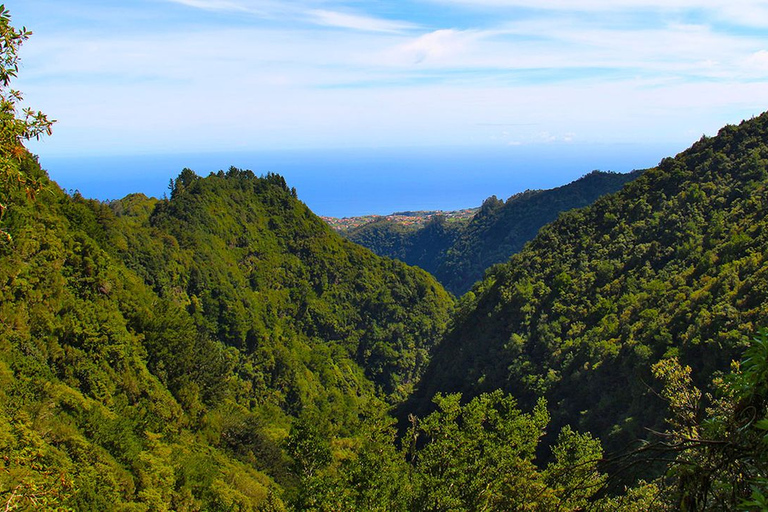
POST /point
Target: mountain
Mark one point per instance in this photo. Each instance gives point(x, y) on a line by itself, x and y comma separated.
point(159, 354)
point(673, 265)
point(255, 268)
point(223, 349)
point(459, 253)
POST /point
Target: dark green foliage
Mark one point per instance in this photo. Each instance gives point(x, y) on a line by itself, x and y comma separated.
point(309, 448)
point(103, 382)
point(423, 246)
point(674, 264)
point(479, 456)
point(715, 442)
point(501, 229)
point(225, 350)
point(152, 352)
point(459, 253)
point(261, 273)
point(463, 457)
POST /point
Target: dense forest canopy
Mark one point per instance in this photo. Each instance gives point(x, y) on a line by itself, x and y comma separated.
point(672, 265)
point(222, 312)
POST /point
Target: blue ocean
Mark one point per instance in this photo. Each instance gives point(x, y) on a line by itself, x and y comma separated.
point(345, 183)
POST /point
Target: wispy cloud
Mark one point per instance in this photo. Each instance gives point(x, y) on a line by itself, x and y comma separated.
point(303, 12)
point(751, 13)
point(445, 46)
point(215, 5)
point(358, 22)
point(349, 73)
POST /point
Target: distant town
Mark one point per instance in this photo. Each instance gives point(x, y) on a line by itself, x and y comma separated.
point(414, 219)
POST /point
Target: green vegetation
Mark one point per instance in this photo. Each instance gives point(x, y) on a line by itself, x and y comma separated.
point(261, 273)
point(458, 253)
point(674, 265)
point(423, 246)
point(155, 353)
point(159, 354)
point(715, 442)
point(15, 128)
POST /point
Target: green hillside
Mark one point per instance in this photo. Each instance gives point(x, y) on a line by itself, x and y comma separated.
point(156, 352)
point(256, 269)
point(673, 265)
point(501, 229)
point(130, 383)
point(459, 253)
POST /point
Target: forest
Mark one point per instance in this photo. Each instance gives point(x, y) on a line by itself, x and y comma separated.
point(458, 252)
point(223, 349)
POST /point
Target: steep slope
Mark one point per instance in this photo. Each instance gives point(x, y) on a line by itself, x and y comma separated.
point(154, 354)
point(258, 270)
point(674, 264)
point(501, 229)
point(104, 387)
point(458, 253)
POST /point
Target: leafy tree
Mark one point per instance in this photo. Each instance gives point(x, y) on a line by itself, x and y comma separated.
point(718, 442)
point(480, 456)
point(15, 126)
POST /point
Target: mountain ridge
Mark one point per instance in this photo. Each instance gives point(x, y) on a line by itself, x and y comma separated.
point(458, 249)
point(179, 340)
point(669, 266)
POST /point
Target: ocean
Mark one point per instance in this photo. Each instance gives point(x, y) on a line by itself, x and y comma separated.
point(346, 183)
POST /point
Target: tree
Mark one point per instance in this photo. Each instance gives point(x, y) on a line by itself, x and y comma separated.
point(717, 442)
point(15, 127)
point(481, 456)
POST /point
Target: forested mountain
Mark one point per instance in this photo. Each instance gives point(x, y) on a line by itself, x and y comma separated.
point(674, 265)
point(224, 349)
point(198, 353)
point(257, 270)
point(154, 351)
point(459, 253)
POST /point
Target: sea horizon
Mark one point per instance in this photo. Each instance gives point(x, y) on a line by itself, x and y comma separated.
point(354, 182)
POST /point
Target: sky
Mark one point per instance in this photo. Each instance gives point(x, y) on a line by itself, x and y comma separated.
point(129, 77)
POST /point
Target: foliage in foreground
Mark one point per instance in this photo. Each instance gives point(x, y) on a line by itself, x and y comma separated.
point(478, 455)
point(717, 442)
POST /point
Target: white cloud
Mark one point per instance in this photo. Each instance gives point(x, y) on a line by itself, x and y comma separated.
point(302, 11)
point(213, 5)
point(357, 22)
point(753, 13)
point(439, 46)
point(747, 13)
point(757, 63)
point(614, 5)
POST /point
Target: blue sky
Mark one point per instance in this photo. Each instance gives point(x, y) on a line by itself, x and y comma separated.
point(174, 76)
